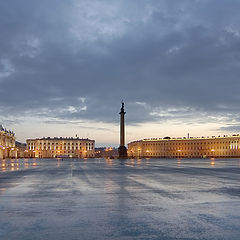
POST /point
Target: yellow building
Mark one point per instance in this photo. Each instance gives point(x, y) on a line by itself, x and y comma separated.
point(7, 144)
point(61, 147)
point(227, 146)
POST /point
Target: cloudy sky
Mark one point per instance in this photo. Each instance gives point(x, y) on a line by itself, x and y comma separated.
point(65, 66)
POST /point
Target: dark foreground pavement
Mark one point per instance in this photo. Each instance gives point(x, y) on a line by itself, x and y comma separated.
point(111, 199)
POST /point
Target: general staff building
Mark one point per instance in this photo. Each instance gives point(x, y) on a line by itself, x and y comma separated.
point(227, 146)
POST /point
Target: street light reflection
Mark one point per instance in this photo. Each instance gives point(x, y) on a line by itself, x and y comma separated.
point(139, 161)
point(212, 163)
point(109, 161)
point(16, 164)
point(179, 162)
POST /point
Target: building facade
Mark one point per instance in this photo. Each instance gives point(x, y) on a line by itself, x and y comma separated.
point(61, 147)
point(104, 152)
point(209, 147)
point(21, 150)
point(7, 144)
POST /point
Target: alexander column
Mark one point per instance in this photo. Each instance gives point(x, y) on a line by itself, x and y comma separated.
point(122, 150)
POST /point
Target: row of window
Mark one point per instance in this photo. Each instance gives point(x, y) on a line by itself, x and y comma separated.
point(41, 154)
point(5, 141)
point(187, 154)
point(193, 148)
point(32, 144)
point(61, 148)
point(188, 143)
point(60, 152)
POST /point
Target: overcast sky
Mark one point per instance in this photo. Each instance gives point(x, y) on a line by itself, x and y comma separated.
point(65, 66)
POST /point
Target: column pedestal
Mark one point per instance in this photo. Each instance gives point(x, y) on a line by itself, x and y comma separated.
point(122, 151)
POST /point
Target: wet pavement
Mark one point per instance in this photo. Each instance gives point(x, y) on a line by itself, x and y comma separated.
point(119, 199)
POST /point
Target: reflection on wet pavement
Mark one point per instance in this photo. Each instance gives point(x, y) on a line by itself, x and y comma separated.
point(119, 199)
point(16, 164)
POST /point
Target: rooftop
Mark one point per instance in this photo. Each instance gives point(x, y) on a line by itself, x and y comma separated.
point(187, 139)
point(61, 138)
point(5, 131)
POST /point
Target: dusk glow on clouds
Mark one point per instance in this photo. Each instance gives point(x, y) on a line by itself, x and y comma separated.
point(65, 66)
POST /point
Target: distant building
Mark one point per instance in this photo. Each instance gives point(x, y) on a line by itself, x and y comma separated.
point(214, 147)
point(104, 152)
point(61, 147)
point(7, 144)
point(22, 150)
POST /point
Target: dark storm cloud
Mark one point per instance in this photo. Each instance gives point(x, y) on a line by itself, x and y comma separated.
point(78, 59)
